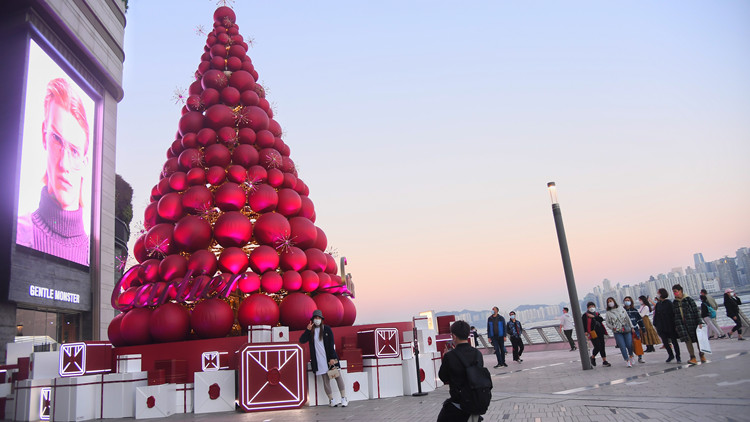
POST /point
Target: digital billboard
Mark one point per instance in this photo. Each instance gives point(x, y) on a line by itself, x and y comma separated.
point(54, 201)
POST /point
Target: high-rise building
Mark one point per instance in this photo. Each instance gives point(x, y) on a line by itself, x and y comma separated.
point(727, 269)
point(607, 285)
point(700, 263)
point(743, 266)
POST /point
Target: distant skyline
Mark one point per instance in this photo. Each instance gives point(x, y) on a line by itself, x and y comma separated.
point(427, 133)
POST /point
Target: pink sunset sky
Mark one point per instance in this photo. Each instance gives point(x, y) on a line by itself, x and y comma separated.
point(427, 134)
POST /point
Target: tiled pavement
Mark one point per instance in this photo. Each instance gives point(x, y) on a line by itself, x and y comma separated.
point(551, 386)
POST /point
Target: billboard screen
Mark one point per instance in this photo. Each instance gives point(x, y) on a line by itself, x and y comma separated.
point(54, 202)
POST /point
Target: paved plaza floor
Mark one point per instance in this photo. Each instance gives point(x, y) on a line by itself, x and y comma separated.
point(551, 386)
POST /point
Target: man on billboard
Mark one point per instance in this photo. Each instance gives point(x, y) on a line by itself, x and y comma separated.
point(57, 226)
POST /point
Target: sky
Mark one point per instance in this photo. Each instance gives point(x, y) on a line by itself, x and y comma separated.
point(427, 133)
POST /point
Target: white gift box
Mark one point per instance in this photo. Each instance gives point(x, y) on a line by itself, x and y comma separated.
point(437, 360)
point(421, 322)
point(259, 334)
point(214, 391)
point(13, 351)
point(316, 394)
point(10, 408)
point(280, 334)
point(5, 389)
point(129, 363)
point(407, 351)
point(28, 399)
point(427, 341)
point(44, 365)
point(184, 398)
point(121, 386)
point(426, 374)
point(385, 378)
point(77, 398)
point(214, 361)
point(155, 401)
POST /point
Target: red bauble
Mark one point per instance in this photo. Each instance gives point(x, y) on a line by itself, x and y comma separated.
point(170, 166)
point(264, 258)
point(310, 281)
point(321, 241)
point(191, 122)
point(271, 229)
point(258, 309)
point(304, 231)
point(292, 281)
point(242, 80)
point(194, 102)
point(233, 260)
point(217, 155)
point(216, 175)
point(169, 322)
point(151, 216)
point(293, 258)
point(274, 127)
point(134, 326)
point(249, 97)
point(264, 139)
point(324, 281)
point(230, 197)
point(249, 283)
point(233, 229)
point(195, 88)
point(316, 260)
point(149, 271)
point(210, 97)
point(173, 266)
point(290, 181)
point(301, 187)
point(170, 207)
point(197, 199)
point(350, 311)
point(190, 158)
point(237, 174)
point(218, 50)
point(270, 158)
point(192, 233)
point(206, 137)
point(178, 181)
point(295, 311)
point(287, 165)
point(283, 149)
point(218, 116)
point(331, 267)
point(254, 117)
point(202, 262)
point(333, 310)
point(227, 135)
point(307, 209)
point(224, 15)
point(246, 136)
point(257, 174)
point(289, 203)
point(114, 333)
point(158, 241)
point(271, 282)
point(139, 249)
point(245, 155)
point(263, 198)
point(233, 64)
point(212, 318)
point(275, 177)
point(196, 176)
point(218, 63)
point(215, 79)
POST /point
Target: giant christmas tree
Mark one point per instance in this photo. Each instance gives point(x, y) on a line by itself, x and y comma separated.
point(231, 240)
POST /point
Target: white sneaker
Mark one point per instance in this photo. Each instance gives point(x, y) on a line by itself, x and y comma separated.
point(332, 403)
point(344, 402)
point(630, 365)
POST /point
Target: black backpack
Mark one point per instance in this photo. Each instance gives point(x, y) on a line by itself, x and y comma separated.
point(476, 394)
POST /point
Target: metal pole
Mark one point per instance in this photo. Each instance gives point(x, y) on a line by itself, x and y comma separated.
point(419, 392)
point(575, 307)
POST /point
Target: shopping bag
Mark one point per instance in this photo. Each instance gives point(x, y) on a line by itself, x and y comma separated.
point(702, 334)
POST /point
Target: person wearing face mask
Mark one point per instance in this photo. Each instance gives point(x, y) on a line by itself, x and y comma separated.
point(707, 315)
point(566, 325)
point(650, 338)
point(515, 330)
point(664, 323)
point(496, 334)
point(593, 324)
point(686, 320)
point(638, 328)
point(323, 355)
point(619, 321)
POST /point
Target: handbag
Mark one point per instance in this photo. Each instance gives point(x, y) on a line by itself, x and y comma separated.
point(333, 372)
point(592, 333)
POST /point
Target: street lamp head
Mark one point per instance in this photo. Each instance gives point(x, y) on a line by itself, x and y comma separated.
point(552, 192)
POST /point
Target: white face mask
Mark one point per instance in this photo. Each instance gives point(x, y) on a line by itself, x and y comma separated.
point(626, 303)
point(611, 304)
point(592, 310)
point(317, 322)
point(512, 317)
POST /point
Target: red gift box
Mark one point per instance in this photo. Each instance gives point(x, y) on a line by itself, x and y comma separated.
point(23, 369)
point(157, 377)
point(86, 358)
point(175, 371)
point(353, 358)
point(379, 343)
point(272, 376)
point(349, 342)
point(444, 323)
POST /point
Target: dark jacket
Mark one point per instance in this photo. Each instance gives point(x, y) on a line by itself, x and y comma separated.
point(452, 371)
point(732, 305)
point(496, 326)
point(704, 310)
point(307, 337)
point(635, 318)
point(686, 319)
point(514, 328)
point(596, 325)
point(664, 318)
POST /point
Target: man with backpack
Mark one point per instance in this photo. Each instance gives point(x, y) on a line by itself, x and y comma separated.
point(469, 381)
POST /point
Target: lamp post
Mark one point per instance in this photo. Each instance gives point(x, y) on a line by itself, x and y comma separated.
point(575, 307)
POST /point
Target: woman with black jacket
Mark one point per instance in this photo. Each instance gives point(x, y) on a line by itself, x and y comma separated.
point(593, 324)
point(732, 305)
point(323, 355)
point(664, 323)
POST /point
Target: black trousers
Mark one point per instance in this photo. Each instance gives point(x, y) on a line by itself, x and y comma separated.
point(450, 413)
point(517, 343)
point(737, 324)
point(569, 335)
point(666, 341)
point(598, 347)
point(499, 349)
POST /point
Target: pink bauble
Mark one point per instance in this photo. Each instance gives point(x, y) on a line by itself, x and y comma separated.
point(192, 233)
point(331, 267)
point(321, 241)
point(215, 79)
point(227, 135)
point(230, 197)
point(224, 15)
point(304, 232)
point(249, 97)
point(246, 136)
point(230, 96)
point(190, 158)
point(287, 166)
point(292, 281)
point(263, 198)
point(216, 175)
point(316, 260)
point(233, 229)
point(350, 311)
point(240, 79)
point(197, 199)
point(173, 266)
point(290, 181)
point(212, 318)
point(169, 322)
point(264, 258)
point(139, 249)
point(191, 122)
point(206, 137)
point(295, 311)
point(245, 155)
point(149, 271)
point(151, 215)
point(293, 258)
point(301, 187)
point(202, 262)
point(113, 331)
point(269, 158)
point(264, 139)
point(333, 310)
point(324, 281)
point(134, 326)
point(218, 116)
point(271, 282)
point(236, 174)
point(209, 97)
point(271, 228)
point(233, 260)
point(196, 176)
point(170, 207)
point(217, 155)
point(307, 210)
point(254, 117)
point(289, 203)
point(257, 174)
point(275, 177)
point(258, 309)
point(310, 281)
point(178, 181)
point(249, 283)
point(158, 241)
point(274, 127)
point(170, 166)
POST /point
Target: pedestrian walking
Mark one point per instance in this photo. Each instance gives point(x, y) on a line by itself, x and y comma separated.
point(650, 336)
point(664, 323)
point(496, 334)
point(514, 331)
point(567, 326)
point(686, 320)
point(323, 356)
point(619, 322)
point(708, 313)
point(638, 327)
point(593, 324)
point(732, 305)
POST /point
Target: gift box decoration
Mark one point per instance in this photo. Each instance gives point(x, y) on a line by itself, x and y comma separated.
point(272, 377)
point(407, 350)
point(444, 342)
point(85, 359)
point(280, 334)
point(426, 341)
point(77, 398)
point(175, 370)
point(379, 343)
point(437, 360)
point(259, 334)
point(13, 351)
point(43, 365)
point(155, 401)
point(157, 377)
point(421, 322)
point(353, 359)
point(121, 386)
point(426, 374)
point(214, 361)
point(444, 323)
point(28, 400)
point(355, 386)
point(184, 396)
point(214, 391)
point(385, 378)
point(129, 363)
